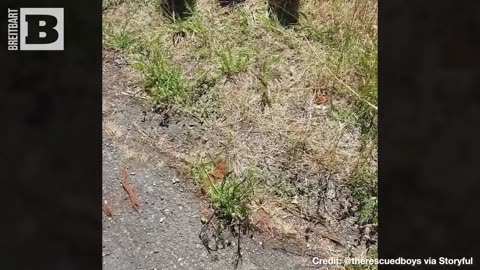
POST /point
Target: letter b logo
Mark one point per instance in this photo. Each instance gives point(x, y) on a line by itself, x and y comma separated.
point(41, 29)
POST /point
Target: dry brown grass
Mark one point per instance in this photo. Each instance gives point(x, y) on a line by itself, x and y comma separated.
point(294, 105)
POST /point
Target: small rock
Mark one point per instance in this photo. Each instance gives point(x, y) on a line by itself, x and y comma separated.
point(295, 200)
point(119, 61)
point(162, 219)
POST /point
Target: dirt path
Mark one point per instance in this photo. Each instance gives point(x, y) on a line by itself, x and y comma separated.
point(164, 233)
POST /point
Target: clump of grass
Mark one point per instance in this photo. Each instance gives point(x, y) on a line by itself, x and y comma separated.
point(192, 25)
point(230, 196)
point(162, 76)
point(122, 40)
point(118, 37)
point(269, 21)
point(369, 211)
point(233, 61)
point(351, 45)
point(340, 113)
point(363, 184)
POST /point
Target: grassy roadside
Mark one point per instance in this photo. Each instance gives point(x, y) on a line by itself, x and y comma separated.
point(291, 110)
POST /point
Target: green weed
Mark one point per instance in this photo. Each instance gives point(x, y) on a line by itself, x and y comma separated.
point(229, 196)
point(233, 61)
point(162, 77)
point(193, 25)
point(364, 190)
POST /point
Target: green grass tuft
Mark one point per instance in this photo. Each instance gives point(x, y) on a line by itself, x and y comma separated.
point(230, 197)
point(236, 60)
point(162, 76)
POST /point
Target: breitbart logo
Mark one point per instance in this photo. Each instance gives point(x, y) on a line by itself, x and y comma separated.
point(35, 29)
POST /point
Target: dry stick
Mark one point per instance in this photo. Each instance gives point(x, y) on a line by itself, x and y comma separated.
point(106, 209)
point(239, 250)
point(129, 190)
point(205, 241)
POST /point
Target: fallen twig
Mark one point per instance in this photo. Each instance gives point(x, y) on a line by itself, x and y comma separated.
point(239, 248)
point(129, 190)
point(106, 209)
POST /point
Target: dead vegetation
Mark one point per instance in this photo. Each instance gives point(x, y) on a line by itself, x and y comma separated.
point(293, 109)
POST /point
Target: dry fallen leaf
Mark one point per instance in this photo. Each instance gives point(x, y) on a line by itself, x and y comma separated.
point(220, 170)
point(129, 190)
point(320, 98)
point(262, 221)
point(106, 209)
